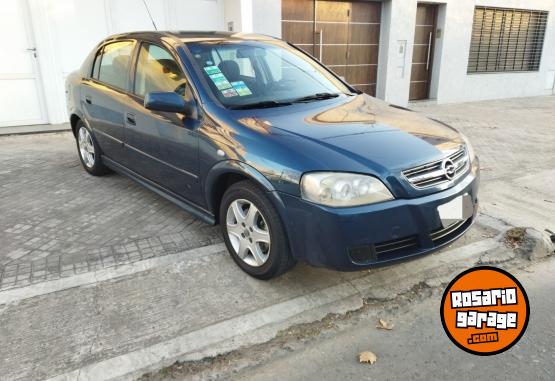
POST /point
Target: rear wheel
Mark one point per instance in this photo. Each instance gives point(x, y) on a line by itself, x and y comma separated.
point(89, 151)
point(253, 232)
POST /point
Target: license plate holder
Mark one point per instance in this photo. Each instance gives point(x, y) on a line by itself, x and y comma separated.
point(458, 209)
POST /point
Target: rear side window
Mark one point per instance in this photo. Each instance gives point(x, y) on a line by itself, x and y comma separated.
point(112, 65)
point(157, 70)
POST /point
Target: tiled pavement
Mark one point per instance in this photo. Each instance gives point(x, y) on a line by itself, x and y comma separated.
point(56, 220)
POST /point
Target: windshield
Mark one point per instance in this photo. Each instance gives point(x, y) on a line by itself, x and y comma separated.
point(265, 74)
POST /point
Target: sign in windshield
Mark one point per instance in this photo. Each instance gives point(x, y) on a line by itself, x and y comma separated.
point(270, 73)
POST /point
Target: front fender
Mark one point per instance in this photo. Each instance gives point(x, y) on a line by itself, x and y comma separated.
point(226, 167)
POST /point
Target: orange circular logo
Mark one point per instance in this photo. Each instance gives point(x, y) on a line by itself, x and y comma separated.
point(485, 310)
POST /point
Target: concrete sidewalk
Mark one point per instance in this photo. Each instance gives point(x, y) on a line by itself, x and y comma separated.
point(35, 129)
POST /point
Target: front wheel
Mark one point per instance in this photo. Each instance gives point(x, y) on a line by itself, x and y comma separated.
point(253, 232)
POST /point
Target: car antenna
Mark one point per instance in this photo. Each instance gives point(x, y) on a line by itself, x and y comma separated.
point(149, 15)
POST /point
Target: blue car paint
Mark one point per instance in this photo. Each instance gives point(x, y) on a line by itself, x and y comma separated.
point(322, 235)
point(177, 157)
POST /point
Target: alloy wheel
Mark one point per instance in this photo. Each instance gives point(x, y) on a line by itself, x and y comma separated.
point(86, 147)
point(248, 232)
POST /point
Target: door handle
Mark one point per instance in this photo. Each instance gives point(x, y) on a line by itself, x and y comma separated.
point(130, 118)
point(88, 99)
point(429, 51)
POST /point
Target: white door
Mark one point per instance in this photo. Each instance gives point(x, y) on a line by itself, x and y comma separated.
point(21, 100)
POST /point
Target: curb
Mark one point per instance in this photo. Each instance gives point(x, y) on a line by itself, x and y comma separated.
point(15, 295)
point(26, 130)
point(541, 244)
point(262, 325)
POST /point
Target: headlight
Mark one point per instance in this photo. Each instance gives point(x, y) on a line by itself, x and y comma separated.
point(469, 148)
point(343, 189)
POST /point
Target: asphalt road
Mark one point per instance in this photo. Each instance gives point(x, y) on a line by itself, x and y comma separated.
point(418, 349)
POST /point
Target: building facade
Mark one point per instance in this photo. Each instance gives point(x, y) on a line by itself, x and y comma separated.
point(398, 50)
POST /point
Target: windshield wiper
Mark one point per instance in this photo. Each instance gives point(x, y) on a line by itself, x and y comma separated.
point(262, 104)
point(315, 97)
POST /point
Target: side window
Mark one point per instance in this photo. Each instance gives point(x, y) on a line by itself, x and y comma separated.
point(96, 64)
point(158, 71)
point(114, 64)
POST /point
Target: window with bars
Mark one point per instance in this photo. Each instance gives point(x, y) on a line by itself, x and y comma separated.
point(505, 40)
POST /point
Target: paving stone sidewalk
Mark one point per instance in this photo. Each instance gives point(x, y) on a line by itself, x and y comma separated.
point(56, 220)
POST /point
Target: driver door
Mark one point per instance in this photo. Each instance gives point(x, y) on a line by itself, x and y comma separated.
point(161, 146)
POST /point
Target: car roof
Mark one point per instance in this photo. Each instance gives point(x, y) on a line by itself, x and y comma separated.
point(181, 37)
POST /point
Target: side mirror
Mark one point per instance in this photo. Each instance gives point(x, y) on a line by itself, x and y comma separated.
point(165, 101)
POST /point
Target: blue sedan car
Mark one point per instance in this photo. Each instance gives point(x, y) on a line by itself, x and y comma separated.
point(251, 133)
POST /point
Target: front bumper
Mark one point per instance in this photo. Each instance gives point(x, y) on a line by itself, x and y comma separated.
point(355, 238)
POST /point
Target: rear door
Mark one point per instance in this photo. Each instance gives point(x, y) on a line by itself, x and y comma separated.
point(104, 95)
point(161, 146)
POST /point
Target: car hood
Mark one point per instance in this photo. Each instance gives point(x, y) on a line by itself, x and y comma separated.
point(363, 128)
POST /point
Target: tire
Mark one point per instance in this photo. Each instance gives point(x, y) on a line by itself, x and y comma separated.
point(89, 151)
point(250, 230)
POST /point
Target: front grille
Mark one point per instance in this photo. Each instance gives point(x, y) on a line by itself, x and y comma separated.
point(434, 173)
point(362, 254)
point(444, 234)
point(405, 246)
point(396, 245)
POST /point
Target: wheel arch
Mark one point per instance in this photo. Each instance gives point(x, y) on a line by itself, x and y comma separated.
point(75, 117)
point(226, 173)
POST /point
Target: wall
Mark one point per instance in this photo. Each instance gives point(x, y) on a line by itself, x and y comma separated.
point(66, 31)
point(462, 86)
point(450, 81)
point(398, 20)
point(267, 17)
point(254, 16)
point(233, 14)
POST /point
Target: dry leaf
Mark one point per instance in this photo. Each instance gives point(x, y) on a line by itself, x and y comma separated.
point(385, 325)
point(367, 357)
